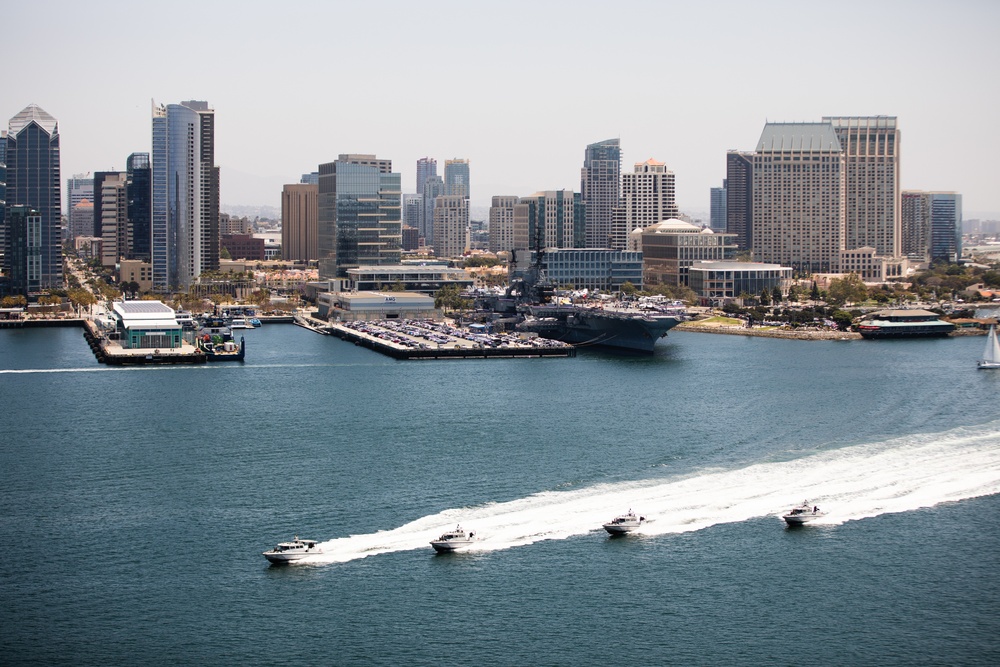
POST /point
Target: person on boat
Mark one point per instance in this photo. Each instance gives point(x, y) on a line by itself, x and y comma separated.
point(815, 508)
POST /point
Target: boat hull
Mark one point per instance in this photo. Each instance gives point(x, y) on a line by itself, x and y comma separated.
point(283, 559)
point(800, 519)
point(630, 332)
point(449, 546)
point(619, 529)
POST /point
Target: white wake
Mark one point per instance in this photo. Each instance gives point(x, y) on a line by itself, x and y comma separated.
point(851, 483)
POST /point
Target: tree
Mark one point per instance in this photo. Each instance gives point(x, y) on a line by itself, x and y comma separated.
point(628, 289)
point(814, 294)
point(224, 253)
point(776, 296)
point(849, 289)
point(450, 297)
point(843, 319)
point(765, 297)
point(793, 293)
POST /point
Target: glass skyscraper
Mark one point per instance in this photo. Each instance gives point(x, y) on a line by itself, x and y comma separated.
point(359, 214)
point(185, 193)
point(140, 205)
point(600, 186)
point(32, 157)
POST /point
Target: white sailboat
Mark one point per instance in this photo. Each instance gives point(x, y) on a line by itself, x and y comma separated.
point(991, 355)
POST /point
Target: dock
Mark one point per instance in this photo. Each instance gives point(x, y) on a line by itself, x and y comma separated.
point(112, 353)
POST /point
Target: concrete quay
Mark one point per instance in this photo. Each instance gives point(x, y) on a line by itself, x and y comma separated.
point(765, 332)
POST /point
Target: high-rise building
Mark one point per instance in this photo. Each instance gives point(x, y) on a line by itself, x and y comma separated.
point(670, 248)
point(931, 225)
point(426, 167)
point(299, 222)
point(78, 188)
point(81, 220)
point(600, 187)
point(359, 214)
point(717, 209)
point(185, 221)
point(98, 186)
point(502, 223)
point(312, 178)
point(3, 193)
point(139, 185)
point(433, 188)
point(798, 197)
point(451, 225)
point(739, 198)
point(550, 218)
point(412, 205)
point(33, 181)
point(114, 218)
point(23, 252)
point(871, 153)
point(647, 197)
point(456, 178)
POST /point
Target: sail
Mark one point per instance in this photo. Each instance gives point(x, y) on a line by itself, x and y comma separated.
point(992, 352)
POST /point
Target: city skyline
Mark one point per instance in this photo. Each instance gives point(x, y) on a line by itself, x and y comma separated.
point(683, 84)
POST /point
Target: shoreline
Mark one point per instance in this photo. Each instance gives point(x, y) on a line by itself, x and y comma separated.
point(788, 334)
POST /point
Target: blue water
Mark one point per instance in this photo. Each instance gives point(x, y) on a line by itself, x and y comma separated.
point(136, 502)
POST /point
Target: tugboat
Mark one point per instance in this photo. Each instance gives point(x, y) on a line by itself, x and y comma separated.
point(222, 347)
point(454, 540)
point(289, 552)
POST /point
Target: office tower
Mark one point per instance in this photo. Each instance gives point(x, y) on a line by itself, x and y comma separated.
point(312, 178)
point(33, 180)
point(412, 206)
point(451, 225)
point(411, 238)
point(113, 204)
point(739, 198)
point(78, 188)
point(670, 248)
point(359, 214)
point(299, 222)
point(549, 218)
point(433, 188)
point(456, 178)
point(798, 197)
point(139, 190)
point(185, 222)
point(23, 250)
point(81, 220)
point(717, 208)
point(3, 193)
point(600, 187)
point(647, 197)
point(99, 178)
point(871, 152)
point(502, 223)
point(931, 225)
point(426, 167)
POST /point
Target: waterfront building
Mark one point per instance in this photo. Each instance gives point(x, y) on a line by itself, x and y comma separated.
point(113, 204)
point(871, 181)
point(456, 178)
point(716, 282)
point(870, 266)
point(139, 190)
point(451, 225)
point(374, 305)
point(931, 224)
point(502, 223)
point(647, 197)
point(146, 325)
point(185, 193)
point(23, 251)
point(359, 211)
point(739, 198)
point(33, 181)
point(550, 218)
point(798, 197)
point(433, 188)
point(671, 247)
point(592, 269)
point(426, 167)
point(299, 221)
point(600, 189)
point(424, 278)
point(717, 203)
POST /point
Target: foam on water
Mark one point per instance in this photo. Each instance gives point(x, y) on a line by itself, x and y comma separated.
point(851, 483)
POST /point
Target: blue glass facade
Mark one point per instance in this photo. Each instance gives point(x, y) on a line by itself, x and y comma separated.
point(606, 270)
point(32, 158)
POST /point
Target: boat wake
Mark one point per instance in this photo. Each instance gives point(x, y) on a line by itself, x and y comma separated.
point(851, 483)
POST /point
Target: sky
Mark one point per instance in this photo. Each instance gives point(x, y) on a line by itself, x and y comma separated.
point(517, 88)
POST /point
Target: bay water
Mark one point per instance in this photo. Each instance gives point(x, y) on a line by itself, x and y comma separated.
point(135, 504)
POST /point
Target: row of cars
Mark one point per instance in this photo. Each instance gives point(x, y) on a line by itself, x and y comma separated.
point(422, 334)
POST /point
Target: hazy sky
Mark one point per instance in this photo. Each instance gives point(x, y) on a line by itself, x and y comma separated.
point(518, 88)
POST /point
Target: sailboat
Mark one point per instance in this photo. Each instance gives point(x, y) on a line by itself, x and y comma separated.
point(991, 355)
